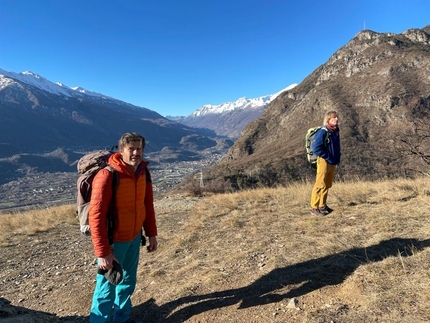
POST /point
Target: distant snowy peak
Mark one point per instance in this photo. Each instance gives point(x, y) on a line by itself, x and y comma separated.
point(84, 91)
point(33, 79)
point(241, 103)
point(30, 78)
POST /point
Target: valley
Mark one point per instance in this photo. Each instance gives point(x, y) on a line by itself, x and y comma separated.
point(37, 189)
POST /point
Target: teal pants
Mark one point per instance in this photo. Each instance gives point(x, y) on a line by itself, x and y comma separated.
point(107, 296)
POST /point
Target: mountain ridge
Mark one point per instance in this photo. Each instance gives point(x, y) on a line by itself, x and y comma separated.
point(40, 116)
point(43, 84)
point(241, 103)
point(229, 118)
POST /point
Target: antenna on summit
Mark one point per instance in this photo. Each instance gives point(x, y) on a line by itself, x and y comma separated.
point(364, 25)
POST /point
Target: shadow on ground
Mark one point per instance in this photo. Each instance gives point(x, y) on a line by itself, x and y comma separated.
point(309, 276)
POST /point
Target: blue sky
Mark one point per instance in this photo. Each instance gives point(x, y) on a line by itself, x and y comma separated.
point(173, 56)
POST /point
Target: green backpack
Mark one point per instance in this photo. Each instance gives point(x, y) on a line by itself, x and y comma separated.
point(309, 140)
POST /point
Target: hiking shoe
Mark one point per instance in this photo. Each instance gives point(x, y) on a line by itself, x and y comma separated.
point(325, 210)
point(316, 212)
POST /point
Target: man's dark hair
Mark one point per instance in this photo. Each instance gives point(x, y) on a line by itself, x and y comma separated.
point(130, 137)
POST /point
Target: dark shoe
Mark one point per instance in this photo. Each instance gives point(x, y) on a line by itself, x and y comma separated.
point(325, 210)
point(316, 212)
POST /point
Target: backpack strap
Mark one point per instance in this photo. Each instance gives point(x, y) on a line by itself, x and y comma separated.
point(110, 216)
point(327, 135)
point(148, 175)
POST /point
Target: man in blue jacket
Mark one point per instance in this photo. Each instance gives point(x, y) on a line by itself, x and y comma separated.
point(326, 146)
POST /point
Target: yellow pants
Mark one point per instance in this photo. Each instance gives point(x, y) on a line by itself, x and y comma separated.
point(324, 181)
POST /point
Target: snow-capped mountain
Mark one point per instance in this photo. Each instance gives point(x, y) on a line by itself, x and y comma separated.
point(35, 80)
point(228, 119)
point(38, 115)
point(239, 104)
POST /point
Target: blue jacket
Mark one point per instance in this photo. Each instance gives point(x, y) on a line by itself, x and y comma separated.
point(328, 149)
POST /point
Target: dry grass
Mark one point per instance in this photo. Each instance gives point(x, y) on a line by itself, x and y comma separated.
point(35, 221)
point(235, 240)
point(242, 257)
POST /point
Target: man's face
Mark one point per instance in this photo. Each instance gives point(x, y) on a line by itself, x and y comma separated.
point(132, 153)
point(334, 120)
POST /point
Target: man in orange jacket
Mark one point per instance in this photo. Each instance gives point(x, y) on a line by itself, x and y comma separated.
point(134, 210)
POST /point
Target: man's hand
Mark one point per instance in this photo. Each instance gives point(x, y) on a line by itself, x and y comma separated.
point(153, 244)
point(106, 263)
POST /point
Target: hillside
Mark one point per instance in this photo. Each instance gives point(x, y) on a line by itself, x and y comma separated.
point(379, 85)
point(253, 256)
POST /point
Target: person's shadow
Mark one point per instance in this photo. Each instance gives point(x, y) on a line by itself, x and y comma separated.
point(308, 276)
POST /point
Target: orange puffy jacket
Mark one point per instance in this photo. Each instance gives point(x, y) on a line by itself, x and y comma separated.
point(134, 205)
